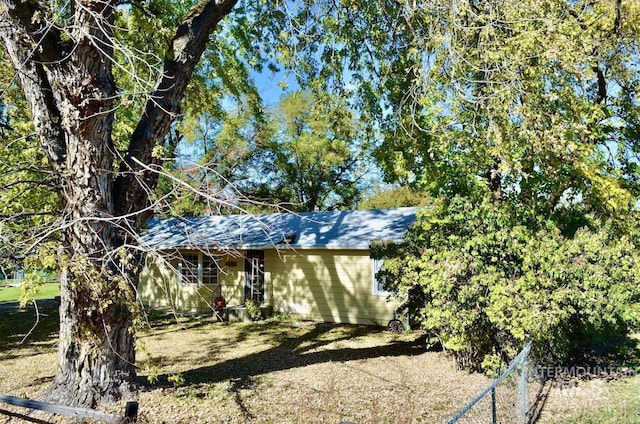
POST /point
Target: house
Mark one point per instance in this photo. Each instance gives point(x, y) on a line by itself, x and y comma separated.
point(316, 265)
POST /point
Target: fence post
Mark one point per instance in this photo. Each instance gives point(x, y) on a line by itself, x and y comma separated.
point(513, 365)
point(523, 391)
point(131, 412)
point(494, 410)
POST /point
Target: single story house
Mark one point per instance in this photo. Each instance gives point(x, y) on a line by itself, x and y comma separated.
point(316, 265)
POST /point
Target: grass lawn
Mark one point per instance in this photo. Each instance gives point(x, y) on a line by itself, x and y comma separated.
point(45, 291)
point(298, 372)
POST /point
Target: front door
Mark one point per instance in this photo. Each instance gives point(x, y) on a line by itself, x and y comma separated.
point(254, 276)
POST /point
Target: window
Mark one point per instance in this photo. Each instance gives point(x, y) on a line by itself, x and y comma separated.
point(189, 268)
point(378, 281)
point(209, 270)
point(196, 268)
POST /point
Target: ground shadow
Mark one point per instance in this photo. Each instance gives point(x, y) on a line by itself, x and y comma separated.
point(293, 352)
point(22, 328)
point(612, 350)
point(614, 356)
point(534, 412)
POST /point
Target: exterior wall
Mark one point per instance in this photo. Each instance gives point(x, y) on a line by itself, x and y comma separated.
point(327, 285)
point(321, 285)
point(160, 287)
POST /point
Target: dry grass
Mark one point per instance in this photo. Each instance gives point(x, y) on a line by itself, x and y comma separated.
point(288, 372)
point(301, 373)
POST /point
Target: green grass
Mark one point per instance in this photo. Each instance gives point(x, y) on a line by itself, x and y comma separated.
point(45, 291)
point(16, 323)
point(621, 406)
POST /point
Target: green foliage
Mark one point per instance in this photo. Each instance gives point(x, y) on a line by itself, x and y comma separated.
point(309, 152)
point(253, 310)
point(28, 203)
point(176, 379)
point(285, 317)
point(538, 101)
point(152, 377)
point(538, 128)
point(398, 197)
point(317, 152)
point(483, 277)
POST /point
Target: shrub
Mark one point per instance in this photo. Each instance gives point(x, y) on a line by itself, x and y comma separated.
point(483, 278)
point(253, 310)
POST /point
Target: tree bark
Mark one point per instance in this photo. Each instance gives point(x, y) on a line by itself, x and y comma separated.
point(70, 89)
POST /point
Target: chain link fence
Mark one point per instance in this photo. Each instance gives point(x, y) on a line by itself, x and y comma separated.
point(511, 398)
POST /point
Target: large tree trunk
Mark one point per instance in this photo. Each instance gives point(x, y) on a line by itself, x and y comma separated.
point(96, 353)
point(96, 356)
point(66, 75)
point(96, 350)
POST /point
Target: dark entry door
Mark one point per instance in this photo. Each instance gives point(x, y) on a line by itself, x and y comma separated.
point(254, 276)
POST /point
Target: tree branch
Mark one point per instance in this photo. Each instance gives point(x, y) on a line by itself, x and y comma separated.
point(163, 105)
point(30, 18)
point(26, 53)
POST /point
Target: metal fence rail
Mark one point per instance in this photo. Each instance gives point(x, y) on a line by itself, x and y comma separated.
point(519, 361)
point(130, 414)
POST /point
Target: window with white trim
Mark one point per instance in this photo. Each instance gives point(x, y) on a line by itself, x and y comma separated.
point(378, 281)
point(209, 270)
point(198, 268)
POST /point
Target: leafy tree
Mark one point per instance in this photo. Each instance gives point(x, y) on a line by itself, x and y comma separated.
point(536, 102)
point(103, 84)
point(67, 58)
point(397, 197)
point(318, 153)
point(537, 99)
point(27, 203)
point(307, 153)
point(454, 88)
point(483, 277)
point(233, 156)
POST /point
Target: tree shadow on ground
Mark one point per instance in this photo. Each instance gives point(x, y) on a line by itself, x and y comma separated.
point(612, 350)
point(160, 320)
point(294, 352)
point(24, 328)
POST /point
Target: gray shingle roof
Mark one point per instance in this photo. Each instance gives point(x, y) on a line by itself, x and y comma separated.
point(310, 230)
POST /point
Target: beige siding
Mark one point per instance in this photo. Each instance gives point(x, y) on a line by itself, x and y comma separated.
point(323, 285)
point(160, 286)
point(232, 280)
point(327, 285)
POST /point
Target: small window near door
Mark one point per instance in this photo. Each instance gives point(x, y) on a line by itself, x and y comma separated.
point(189, 269)
point(209, 270)
point(378, 281)
point(197, 268)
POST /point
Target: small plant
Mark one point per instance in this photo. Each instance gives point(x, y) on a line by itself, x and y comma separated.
point(152, 378)
point(285, 317)
point(176, 379)
point(253, 310)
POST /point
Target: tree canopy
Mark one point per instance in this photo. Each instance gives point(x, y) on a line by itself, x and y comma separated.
point(102, 97)
point(482, 278)
point(536, 100)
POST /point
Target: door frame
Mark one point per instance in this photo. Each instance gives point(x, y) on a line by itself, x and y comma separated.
point(254, 281)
